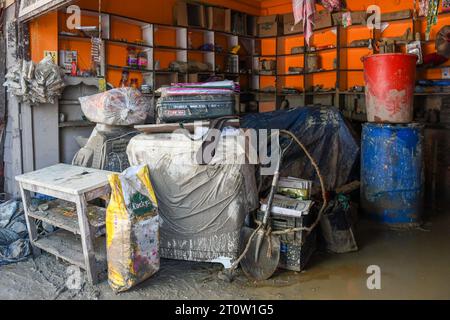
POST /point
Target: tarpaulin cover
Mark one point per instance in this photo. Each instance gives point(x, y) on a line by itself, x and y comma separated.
point(202, 207)
point(14, 243)
point(324, 133)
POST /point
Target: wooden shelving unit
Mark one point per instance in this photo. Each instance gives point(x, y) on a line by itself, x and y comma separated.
point(180, 45)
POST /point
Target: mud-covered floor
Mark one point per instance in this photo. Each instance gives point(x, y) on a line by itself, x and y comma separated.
point(414, 265)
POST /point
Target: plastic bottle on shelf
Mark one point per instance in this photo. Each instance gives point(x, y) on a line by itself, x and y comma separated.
point(132, 59)
point(124, 80)
point(142, 60)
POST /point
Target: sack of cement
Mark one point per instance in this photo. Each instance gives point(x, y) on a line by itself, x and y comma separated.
point(132, 229)
point(119, 107)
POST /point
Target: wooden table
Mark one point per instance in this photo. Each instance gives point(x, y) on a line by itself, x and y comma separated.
point(75, 240)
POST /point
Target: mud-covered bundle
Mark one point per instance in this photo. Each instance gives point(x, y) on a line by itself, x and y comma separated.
point(119, 107)
point(132, 229)
point(35, 83)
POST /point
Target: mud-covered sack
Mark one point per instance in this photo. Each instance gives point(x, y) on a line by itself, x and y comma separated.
point(132, 229)
point(120, 107)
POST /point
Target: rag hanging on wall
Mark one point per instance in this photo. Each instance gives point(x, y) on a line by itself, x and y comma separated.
point(304, 11)
point(432, 16)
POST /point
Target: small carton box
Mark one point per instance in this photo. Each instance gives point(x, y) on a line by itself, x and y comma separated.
point(268, 26)
point(219, 19)
point(189, 14)
point(397, 15)
point(322, 19)
point(289, 26)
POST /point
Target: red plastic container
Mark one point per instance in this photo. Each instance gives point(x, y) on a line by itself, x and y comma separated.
point(390, 81)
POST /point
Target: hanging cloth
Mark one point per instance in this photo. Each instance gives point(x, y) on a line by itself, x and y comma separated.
point(331, 5)
point(304, 11)
point(432, 16)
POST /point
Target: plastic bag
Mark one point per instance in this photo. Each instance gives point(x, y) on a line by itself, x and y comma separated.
point(132, 229)
point(120, 107)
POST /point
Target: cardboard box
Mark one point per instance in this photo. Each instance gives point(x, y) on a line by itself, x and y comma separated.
point(267, 26)
point(189, 14)
point(358, 17)
point(322, 19)
point(219, 19)
point(398, 15)
point(180, 14)
point(289, 26)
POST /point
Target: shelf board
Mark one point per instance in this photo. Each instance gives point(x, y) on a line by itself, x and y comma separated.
point(290, 74)
point(67, 246)
point(359, 47)
point(281, 94)
point(432, 68)
point(351, 70)
point(126, 43)
point(291, 55)
point(322, 50)
point(63, 214)
point(351, 93)
point(294, 34)
point(74, 37)
point(110, 66)
point(432, 93)
point(77, 124)
point(168, 48)
point(322, 71)
point(320, 93)
point(200, 51)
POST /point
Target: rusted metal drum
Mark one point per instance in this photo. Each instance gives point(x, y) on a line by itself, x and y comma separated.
point(392, 173)
point(390, 82)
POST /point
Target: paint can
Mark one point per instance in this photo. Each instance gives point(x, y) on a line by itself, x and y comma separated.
point(390, 83)
point(312, 60)
point(392, 174)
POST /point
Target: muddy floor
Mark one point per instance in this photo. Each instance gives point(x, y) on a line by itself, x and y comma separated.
point(414, 265)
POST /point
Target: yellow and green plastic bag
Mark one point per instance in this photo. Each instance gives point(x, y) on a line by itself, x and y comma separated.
point(132, 229)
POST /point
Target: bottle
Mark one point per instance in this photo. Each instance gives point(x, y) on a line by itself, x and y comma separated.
point(132, 60)
point(134, 83)
point(124, 80)
point(142, 60)
point(73, 70)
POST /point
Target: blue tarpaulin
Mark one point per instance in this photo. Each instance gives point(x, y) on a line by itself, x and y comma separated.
point(326, 135)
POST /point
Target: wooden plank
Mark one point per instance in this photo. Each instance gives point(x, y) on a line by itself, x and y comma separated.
point(31, 225)
point(63, 214)
point(68, 179)
point(171, 127)
point(46, 135)
point(86, 240)
point(14, 167)
point(67, 246)
point(27, 137)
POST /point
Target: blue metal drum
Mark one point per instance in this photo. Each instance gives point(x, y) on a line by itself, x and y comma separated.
point(392, 175)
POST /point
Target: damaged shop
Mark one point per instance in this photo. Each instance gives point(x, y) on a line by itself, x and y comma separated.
point(133, 142)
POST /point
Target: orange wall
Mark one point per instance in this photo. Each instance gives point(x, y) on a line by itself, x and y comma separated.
point(43, 35)
point(160, 11)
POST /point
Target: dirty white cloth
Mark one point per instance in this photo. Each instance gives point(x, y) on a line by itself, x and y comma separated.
point(304, 11)
point(202, 208)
